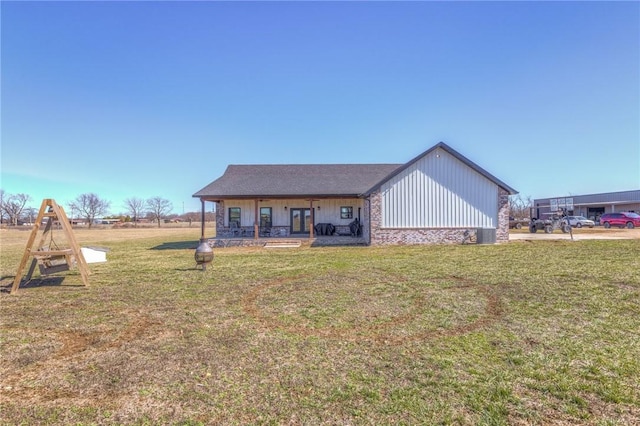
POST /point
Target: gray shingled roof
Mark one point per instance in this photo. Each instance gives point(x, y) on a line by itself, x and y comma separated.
point(316, 180)
point(299, 180)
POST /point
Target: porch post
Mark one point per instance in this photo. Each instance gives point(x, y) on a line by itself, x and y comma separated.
point(313, 219)
point(255, 221)
point(202, 221)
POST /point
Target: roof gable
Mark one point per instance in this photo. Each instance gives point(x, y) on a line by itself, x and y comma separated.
point(454, 153)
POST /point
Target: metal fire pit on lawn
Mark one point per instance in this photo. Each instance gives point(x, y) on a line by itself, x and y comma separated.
point(204, 254)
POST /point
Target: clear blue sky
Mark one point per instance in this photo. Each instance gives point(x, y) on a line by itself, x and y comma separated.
point(139, 99)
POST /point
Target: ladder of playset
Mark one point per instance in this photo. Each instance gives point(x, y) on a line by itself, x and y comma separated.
point(51, 260)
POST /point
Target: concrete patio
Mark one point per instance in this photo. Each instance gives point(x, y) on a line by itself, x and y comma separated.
point(318, 241)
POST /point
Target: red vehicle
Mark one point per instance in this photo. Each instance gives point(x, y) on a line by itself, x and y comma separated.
point(622, 219)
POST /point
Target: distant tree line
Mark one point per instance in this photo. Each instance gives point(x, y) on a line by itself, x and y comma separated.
point(15, 210)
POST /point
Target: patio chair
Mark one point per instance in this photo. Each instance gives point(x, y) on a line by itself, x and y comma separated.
point(265, 231)
point(355, 228)
point(236, 231)
point(265, 228)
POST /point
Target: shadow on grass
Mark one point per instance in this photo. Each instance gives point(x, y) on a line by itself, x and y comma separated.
point(35, 283)
point(177, 245)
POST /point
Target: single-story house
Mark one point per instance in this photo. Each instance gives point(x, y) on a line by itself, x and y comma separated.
point(440, 196)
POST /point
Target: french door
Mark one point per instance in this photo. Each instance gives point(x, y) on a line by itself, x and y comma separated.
point(300, 221)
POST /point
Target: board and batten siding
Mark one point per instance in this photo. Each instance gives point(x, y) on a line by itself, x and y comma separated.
point(439, 191)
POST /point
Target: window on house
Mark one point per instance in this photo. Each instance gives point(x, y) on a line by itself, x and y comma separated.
point(346, 212)
point(234, 216)
point(265, 217)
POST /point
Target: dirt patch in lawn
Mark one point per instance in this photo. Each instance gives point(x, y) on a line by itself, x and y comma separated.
point(73, 347)
point(394, 312)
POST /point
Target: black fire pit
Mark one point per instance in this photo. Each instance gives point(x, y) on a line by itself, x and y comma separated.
point(204, 254)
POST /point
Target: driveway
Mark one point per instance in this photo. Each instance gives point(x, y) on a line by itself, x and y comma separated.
point(597, 233)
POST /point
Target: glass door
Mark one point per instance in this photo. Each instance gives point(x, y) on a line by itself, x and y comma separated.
point(300, 221)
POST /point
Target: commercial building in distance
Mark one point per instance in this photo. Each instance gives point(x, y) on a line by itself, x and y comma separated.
point(591, 206)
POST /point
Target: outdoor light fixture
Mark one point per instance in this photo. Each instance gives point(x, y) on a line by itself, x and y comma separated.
point(318, 207)
point(285, 207)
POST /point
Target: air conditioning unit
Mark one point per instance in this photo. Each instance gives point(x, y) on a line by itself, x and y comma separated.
point(486, 236)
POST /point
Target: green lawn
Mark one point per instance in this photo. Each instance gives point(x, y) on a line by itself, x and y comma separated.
point(519, 333)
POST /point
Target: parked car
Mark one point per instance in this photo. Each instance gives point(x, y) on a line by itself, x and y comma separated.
point(622, 219)
point(580, 221)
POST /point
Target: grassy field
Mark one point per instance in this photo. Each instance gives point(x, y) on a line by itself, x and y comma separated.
point(543, 332)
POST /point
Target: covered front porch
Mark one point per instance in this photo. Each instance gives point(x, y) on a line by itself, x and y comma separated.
point(323, 221)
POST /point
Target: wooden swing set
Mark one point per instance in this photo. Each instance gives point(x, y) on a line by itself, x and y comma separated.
point(46, 254)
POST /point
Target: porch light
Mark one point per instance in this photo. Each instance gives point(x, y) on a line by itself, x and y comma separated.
point(285, 207)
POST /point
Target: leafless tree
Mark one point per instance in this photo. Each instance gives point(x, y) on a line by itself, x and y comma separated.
point(158, 208)
point(135, 207)
point(89, 206)
point(519, 206)
point(30, 213)
point(13, 205)
point(2, 214)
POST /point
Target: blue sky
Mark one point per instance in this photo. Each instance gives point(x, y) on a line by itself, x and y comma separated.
point(140, 99)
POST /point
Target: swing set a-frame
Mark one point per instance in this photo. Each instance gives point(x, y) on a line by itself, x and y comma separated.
point(46, 254)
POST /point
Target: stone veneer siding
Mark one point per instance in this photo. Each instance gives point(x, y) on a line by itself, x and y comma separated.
point(366, 220)
point(219, 217)
point(411, 236)
point(502, 233)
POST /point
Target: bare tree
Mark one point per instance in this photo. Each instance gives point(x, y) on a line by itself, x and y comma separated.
point(30, 213)
point(2, 214)
point(89, 206)
point(13, 205)
point(519, 207)
point(158, 208)
point(135, 208)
